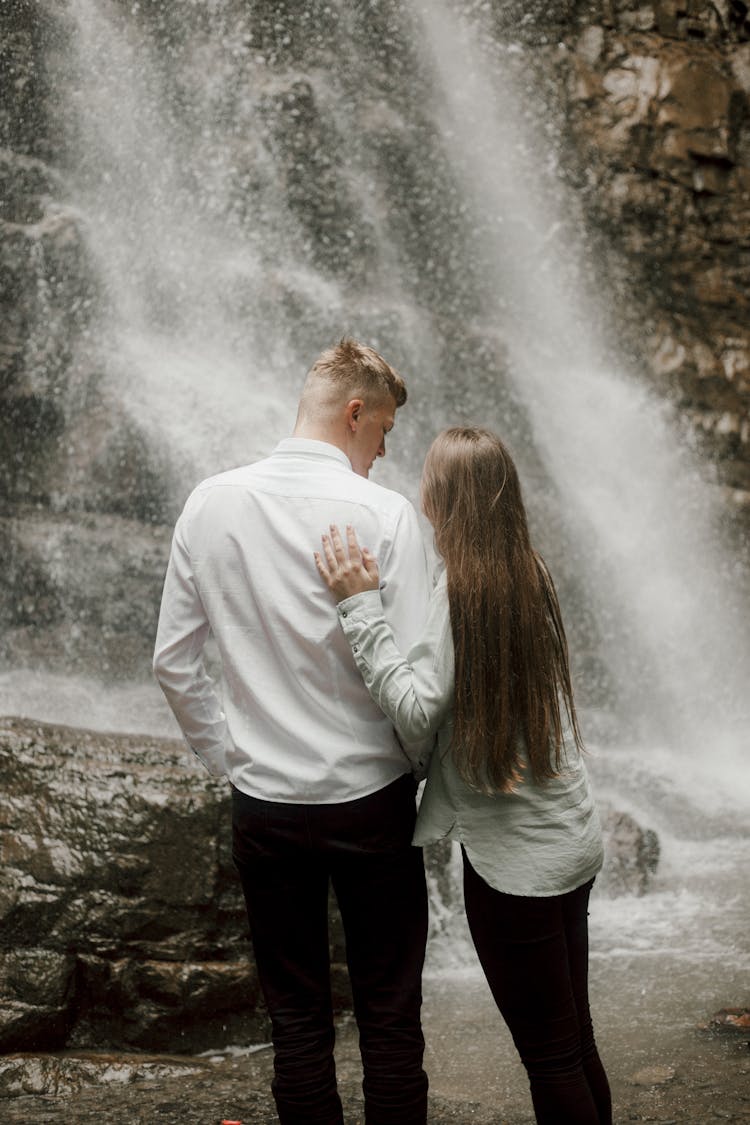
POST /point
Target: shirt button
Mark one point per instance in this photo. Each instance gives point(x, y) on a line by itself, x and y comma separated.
point(355, 648)
point(344, 612)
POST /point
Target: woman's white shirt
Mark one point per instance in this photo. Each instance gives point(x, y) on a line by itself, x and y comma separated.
point(541, 839)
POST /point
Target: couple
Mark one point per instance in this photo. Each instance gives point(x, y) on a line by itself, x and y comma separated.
point(324, 727)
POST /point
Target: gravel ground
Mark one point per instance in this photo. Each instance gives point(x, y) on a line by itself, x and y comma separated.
point(687, 1075)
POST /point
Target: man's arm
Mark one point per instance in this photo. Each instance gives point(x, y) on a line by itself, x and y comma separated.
point(178, 660)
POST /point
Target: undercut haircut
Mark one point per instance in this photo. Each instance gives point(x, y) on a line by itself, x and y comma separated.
point(353, 370)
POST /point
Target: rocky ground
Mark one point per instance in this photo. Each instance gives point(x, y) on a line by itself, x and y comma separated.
point(690, 1075)
point(658, 974)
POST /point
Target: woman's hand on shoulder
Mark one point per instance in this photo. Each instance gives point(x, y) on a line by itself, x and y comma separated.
point(346, 568)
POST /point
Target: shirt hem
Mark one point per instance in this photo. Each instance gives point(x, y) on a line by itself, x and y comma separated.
point(308, 799)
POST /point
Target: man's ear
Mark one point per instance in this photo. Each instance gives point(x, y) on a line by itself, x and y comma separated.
point(353, 412)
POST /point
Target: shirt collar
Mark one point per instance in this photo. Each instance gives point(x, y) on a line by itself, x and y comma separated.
point(309, 447)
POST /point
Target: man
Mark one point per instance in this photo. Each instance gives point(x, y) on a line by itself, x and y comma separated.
point(321, 788)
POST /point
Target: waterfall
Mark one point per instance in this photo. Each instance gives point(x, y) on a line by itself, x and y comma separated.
point(214, 304)
point(243, 207)
point(254, 181)
point(185, 290)
point(645, 521)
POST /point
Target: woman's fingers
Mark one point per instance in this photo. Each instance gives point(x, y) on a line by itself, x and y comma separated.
point(338, 545)
point(370, 564)
point(351, 538)
point(344, 567)
point(329, 553)
point(323, 570)
point(347, 553)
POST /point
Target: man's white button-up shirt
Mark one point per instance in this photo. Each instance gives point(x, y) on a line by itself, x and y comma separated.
point(293, 720)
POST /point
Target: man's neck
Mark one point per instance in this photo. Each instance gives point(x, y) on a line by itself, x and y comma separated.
point(318, 432)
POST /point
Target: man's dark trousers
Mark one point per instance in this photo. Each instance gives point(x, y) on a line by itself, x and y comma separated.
point(286, 854)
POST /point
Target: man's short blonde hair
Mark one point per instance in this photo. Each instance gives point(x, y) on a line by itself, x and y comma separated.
point(353, 370)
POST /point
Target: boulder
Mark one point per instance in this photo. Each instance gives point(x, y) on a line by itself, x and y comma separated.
point(654, 1076)
point(23, 1076)
point(631, 854)
point(122, 921)
point(731, 1019)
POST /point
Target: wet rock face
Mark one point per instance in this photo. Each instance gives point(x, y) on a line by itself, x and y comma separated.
point(121, 916)
point(122, 920)
point(659, 121)
point(80, 591)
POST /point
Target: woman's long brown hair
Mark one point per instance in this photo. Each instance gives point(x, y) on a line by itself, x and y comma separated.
point(512, 669)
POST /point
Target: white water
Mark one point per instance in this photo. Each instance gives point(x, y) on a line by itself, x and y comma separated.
point(198, 346)
point(631, 493)
point(189, 345)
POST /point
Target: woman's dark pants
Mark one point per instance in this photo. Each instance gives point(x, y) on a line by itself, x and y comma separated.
point(286, 854)
point(534, 952)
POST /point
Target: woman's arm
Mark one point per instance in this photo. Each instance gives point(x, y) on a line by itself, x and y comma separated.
point(415, 692)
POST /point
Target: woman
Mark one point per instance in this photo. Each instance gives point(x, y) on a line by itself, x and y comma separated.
point(506, 778)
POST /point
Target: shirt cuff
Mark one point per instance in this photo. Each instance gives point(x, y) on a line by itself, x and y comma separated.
point(360, 607)
point(212, 760)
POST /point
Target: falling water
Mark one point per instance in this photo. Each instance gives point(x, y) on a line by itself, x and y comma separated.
point(202, 260)
point(636, 503)
point(186, 292)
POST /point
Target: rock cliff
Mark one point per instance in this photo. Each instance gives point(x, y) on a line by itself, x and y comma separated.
point(657, 97)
